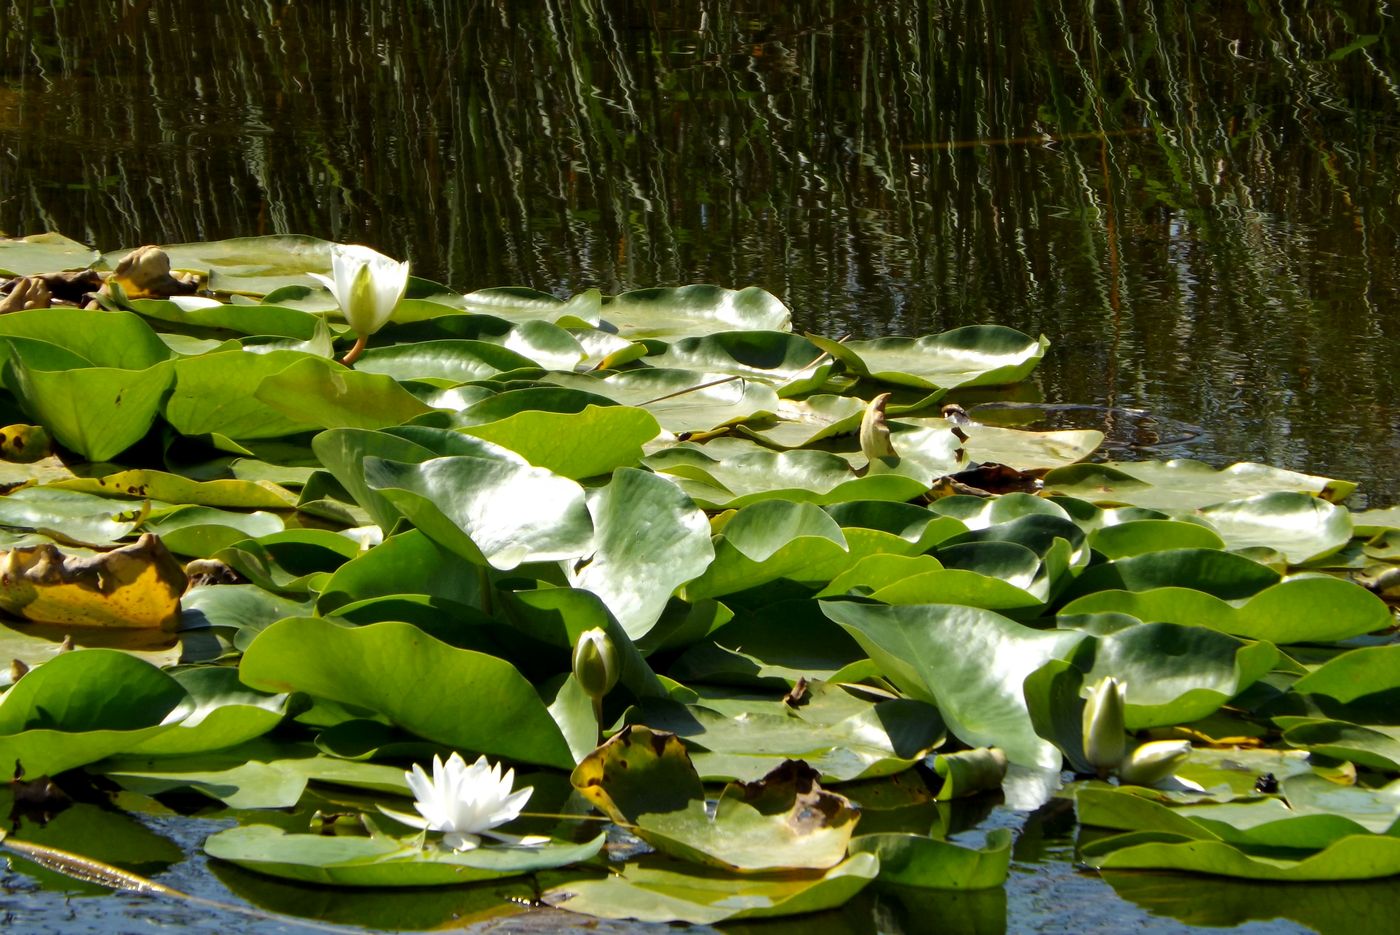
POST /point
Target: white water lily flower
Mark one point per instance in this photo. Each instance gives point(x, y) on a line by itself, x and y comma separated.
point(465, 802)
point(368, 287)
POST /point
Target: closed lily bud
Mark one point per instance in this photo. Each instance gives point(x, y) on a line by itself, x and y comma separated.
point(595, 663)
point(875, 432)
point(1154, 761)
point(1105, 739)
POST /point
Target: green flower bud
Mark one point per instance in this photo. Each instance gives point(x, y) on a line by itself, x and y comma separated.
point(595, 663)
point(1105, 739)
point(1152, 762)
point(875, 432)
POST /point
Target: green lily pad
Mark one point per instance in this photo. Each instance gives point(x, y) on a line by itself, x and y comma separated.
point(650, 539)
point(1300, 526)
point(1183, 484)
point(488, 510)
point(974, 355)
point(1374, 746)
point(43, 253)
point(1360, 857)
point(349, 860)
point(788, 362)
point(211, 396)
point(917, 860)
point(247, 265)
point(67, 712)
point(98, 412)
point(785, 820)
point(517, 304)
point(1299, 610)
point(107, 340)
point(651, 890)
point(382, 667)
point(1138, 537)
point(681, 400)
point(76, 516)
point(325, 394)
point(694, 309)
point(978, 689)
point(793, 476)
point(746, 739)
point(224, 714)
point(575, 444)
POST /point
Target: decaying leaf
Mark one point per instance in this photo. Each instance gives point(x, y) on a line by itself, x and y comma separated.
point(136, 586)
point(27, 292)
point(145, 272)
point(645, 779)
point(25, 443)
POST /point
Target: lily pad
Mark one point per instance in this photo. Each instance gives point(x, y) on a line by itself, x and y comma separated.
point(785, 820)
point(978, 689)
point(655, 891)
point(1183, 484)
point(382, 667)
point(917, 860)
point(694, 309)
point(488, 510)
point(974, 355)
point(350, 860)
point(650, 539)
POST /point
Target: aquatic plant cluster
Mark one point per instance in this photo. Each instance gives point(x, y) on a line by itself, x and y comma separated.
point(742, 609)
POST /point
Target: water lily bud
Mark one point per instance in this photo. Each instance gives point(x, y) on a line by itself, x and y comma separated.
point(595, 663)
point(367, 286)
point(1154, 761)
point(875, 432)
point(1105, 738)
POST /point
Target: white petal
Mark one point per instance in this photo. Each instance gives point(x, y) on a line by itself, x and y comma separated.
point(529, 840)
point(461, 841)
point(413, 821)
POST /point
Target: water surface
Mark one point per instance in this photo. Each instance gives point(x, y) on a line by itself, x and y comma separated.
point(1197, 202)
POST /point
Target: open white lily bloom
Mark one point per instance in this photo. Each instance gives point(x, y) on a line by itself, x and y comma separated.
point(465, 802)
point(368, 286)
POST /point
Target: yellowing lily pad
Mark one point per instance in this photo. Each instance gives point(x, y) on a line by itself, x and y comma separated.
point(135, 586)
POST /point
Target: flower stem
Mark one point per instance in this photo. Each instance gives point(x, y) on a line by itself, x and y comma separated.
point(354, 353)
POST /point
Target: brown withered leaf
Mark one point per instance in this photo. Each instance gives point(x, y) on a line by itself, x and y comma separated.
point(145, 273)
point(135, 586)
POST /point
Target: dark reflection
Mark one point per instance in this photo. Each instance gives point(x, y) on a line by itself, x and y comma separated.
point(1196, 202)
point(1322, 907)
point(83, 828)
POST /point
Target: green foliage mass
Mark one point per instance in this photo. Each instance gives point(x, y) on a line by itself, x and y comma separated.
point(817, 648)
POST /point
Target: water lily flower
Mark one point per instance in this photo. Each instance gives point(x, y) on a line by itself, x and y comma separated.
point(368, 287)
point(1153, 762)
point(595, 662)
point(465, 802)
point(1105, 739)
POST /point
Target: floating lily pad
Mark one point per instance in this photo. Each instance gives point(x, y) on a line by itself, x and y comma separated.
point(654, 891)
point(917, 860)
point(381, 667)
point(350, 860)
point(1183, 484)
point(43, 253)
point(975, 355)
point(978, 689)
point(785, 820)
point(649, 540)
point(695, 309)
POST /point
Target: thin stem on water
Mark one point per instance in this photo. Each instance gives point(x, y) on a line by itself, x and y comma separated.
point(354, 353)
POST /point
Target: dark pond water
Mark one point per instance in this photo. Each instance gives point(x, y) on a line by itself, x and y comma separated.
point(1198, 202)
